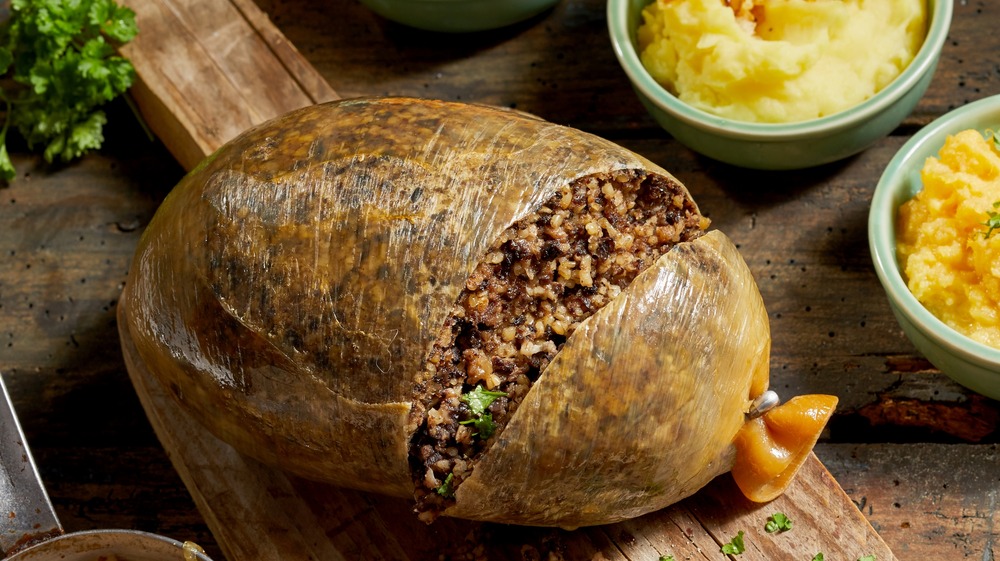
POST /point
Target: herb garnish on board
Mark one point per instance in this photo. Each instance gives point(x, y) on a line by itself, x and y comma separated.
point(60, 57)
point(778, 522)
point(735, 545)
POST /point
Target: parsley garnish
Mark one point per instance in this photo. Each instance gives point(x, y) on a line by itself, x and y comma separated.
point(992, 221)
point(777, 522)
point(445, 489)
point(484, 424)
point(867, 558)
point(666, 558)
point(479, 400)
point(735, 545)
point(61, 56)
point(818, 557)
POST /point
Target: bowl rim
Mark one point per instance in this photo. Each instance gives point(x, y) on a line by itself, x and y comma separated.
point(923, 62)
point(903, 170)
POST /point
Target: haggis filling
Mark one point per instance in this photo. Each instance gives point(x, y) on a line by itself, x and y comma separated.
point(541, 278)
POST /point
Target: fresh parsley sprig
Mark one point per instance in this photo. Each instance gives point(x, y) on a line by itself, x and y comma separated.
point(61, 57)
point(478, 400)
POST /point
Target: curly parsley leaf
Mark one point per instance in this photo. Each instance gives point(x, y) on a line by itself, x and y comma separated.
point(61, 57)
point(116, 22)
point(666, 558)
point(777, 522)
point(479, 399)
point(735, 545)
point(818, 557)
point(867, 558)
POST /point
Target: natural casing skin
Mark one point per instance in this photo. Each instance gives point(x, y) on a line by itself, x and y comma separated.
point(288, 290)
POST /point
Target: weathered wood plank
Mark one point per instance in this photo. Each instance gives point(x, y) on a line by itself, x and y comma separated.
point(69, 234)
point(208, 70)
point(929, 501)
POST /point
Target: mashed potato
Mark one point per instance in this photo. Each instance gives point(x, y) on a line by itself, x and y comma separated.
point(949, 254)
point(779, 61)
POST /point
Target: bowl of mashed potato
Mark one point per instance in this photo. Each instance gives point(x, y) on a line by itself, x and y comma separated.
point(934, 234)
point(779, 84)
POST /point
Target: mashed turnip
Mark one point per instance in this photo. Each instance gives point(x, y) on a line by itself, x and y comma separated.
point(948, 244)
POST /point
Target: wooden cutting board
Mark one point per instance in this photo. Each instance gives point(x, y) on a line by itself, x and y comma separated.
point(202, 82)
point(200, 85)
point(261, 514)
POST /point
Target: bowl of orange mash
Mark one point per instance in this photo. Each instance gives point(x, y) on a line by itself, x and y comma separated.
point(934, 235)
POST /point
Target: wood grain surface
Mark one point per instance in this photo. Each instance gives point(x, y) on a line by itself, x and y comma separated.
point(915, 452)
point(208, 70)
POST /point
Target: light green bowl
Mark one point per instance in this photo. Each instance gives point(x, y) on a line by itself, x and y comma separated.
point(972, 364)
point(458, 16)
point(779, 146)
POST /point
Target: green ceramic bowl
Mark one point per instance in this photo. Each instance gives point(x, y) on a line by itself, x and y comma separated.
point(779, 146)
point(968, 362)
point(458, 16)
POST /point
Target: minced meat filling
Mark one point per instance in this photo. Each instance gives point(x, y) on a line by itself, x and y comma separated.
point(541, 278)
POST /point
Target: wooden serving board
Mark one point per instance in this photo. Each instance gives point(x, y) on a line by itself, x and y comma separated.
point(261, 514)
point(201, 84)
point(210, 69)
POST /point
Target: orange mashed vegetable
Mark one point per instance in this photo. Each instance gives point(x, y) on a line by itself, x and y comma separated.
point(949, 255)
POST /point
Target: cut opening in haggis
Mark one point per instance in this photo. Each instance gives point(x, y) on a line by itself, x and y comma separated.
point(539, 280)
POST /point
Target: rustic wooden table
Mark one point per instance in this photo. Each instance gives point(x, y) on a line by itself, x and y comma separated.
point(916, 452)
